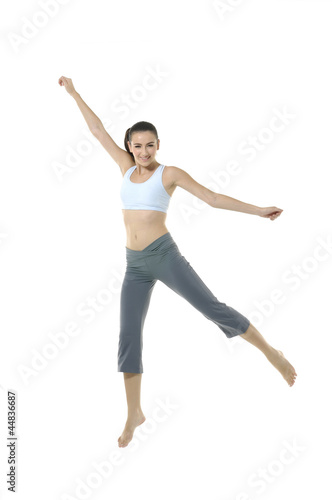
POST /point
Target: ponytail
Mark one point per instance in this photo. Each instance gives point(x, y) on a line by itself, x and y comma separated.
point(126, 139)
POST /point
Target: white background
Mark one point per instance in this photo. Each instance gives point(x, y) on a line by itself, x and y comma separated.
point(224, 71)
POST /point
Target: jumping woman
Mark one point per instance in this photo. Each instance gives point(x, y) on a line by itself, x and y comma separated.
point(152, 254)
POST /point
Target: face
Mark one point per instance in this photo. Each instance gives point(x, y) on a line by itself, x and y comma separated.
point(144, 146)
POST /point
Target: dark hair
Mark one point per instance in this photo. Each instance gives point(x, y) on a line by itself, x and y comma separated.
point(138, 127)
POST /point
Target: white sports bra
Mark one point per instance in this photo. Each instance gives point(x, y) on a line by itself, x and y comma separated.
point(148, 195)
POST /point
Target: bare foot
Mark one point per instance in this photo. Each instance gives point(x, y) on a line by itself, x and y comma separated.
point(131, 424)
point(283, 365)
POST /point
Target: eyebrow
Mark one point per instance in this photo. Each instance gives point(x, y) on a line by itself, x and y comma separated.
point(139, 144)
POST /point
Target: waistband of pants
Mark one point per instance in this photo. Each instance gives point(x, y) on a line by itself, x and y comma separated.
point(160, 243)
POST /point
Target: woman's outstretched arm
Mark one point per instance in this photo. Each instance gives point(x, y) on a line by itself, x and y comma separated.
point(96, 127)
point(182, 179)
point(90, 117)
point(228, 203)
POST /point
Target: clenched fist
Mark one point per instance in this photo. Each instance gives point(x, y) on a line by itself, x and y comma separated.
point(67, 83)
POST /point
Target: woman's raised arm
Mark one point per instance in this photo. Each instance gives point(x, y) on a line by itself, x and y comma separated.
point(119, 155)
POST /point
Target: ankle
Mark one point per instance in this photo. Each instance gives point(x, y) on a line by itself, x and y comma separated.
point(133, 412)
point(271, 352)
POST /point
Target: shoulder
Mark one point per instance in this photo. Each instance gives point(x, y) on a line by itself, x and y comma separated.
point(124, 168)
point(176, 175)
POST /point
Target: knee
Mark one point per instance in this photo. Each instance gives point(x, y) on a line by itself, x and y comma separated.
point(249, 330)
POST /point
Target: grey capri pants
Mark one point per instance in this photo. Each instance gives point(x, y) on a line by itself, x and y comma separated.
point(162, 260)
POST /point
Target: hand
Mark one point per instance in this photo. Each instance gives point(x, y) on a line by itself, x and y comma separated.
point(68, 84)
point(271, 212)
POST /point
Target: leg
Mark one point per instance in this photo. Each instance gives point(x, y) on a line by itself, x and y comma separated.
point(135, 414)
point(132, 383)
point(177, 273)
point(134, 303)
point(275, 357)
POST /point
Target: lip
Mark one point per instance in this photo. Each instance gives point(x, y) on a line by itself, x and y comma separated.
point(145, 159)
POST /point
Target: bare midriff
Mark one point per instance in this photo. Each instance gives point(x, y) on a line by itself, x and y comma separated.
point(143, 227)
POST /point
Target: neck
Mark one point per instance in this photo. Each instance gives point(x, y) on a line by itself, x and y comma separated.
point(147, 168)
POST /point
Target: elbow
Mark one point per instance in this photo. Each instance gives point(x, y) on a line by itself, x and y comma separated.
point(96, 130)
point(213, 200)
